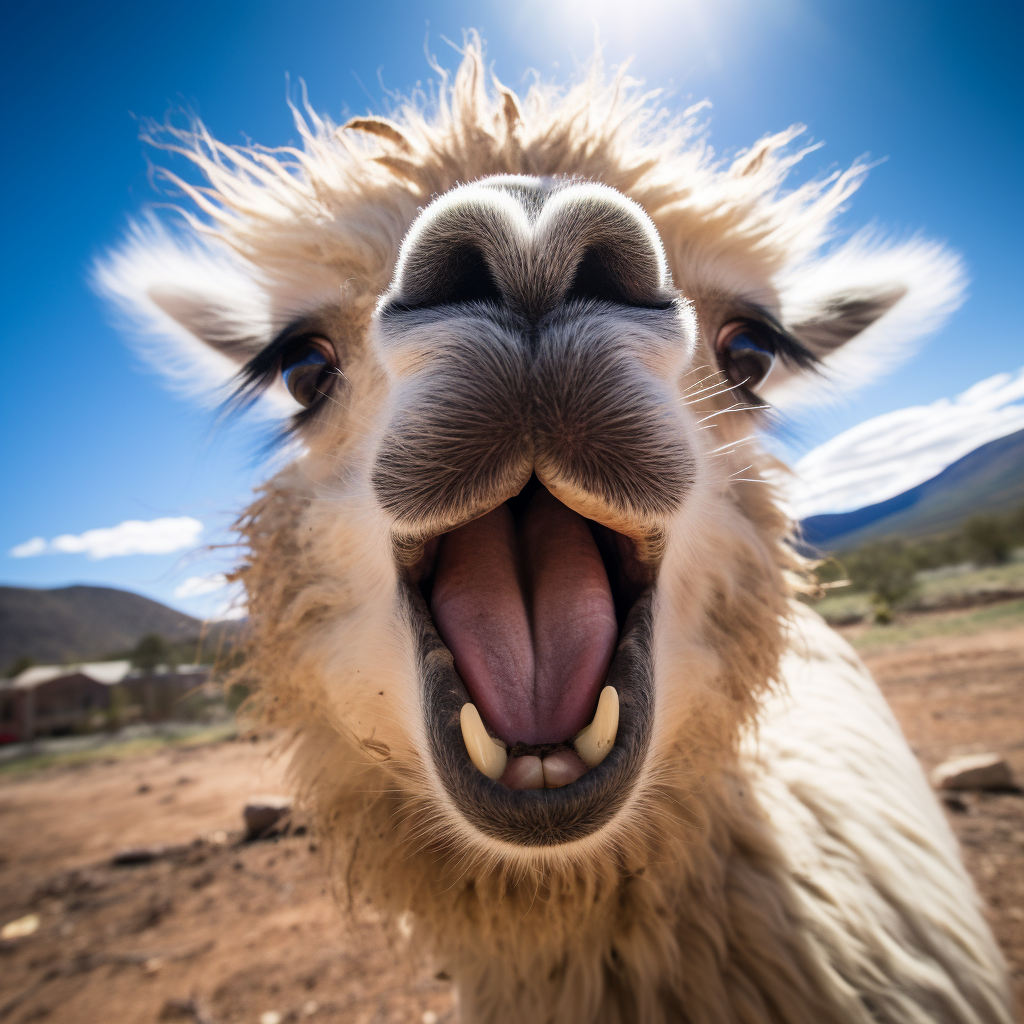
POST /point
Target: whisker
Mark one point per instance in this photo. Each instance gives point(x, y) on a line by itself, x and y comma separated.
point(744, 440)
point(714, 394)
point(738, 407)
point(698, 383)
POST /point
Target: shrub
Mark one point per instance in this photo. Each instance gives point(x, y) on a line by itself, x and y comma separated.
point(988, 539)
point(886, 569)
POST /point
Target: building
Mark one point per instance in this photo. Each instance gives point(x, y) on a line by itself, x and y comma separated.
point(56, 700)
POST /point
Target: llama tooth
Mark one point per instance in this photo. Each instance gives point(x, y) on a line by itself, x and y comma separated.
point(594, 742)
point(486, 753)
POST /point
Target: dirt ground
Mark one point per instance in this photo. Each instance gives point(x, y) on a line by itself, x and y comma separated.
point(217, 931)
point(965, 695)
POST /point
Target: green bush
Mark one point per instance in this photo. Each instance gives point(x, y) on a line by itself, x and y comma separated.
point(831, 570)
point(988, 539)
point(237, 694)
point(886, 570)
point(19, 665)
point(117, 710)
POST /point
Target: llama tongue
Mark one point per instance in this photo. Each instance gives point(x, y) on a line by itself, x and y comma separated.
point(533, 665)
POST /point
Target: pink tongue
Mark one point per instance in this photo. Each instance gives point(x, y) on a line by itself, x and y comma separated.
point(529, 618)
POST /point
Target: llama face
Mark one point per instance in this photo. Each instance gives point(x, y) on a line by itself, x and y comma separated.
point(524, 429)
point(525, 567)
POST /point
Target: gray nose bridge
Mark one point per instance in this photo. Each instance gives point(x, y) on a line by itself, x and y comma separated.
point(510, 246)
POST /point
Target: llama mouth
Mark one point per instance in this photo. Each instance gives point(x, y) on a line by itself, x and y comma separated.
point(534, 630)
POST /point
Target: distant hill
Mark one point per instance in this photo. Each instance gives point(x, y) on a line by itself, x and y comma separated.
point(71, 623)
point(989, 479)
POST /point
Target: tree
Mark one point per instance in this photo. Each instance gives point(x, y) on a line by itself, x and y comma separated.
point(152, 650)
point(19, 665)
point(886, 569)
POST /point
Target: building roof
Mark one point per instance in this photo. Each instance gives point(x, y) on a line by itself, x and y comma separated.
point(108, 672)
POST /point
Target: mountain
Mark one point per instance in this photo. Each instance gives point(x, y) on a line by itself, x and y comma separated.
point(989, 479)
point(72, 623)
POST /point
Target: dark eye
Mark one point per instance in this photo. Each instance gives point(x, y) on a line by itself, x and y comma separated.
point(306, 370)
point(746, 353)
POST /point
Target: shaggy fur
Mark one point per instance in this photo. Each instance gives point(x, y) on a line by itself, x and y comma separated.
point(781, 858)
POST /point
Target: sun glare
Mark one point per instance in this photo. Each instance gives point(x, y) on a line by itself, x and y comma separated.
point(691, 36)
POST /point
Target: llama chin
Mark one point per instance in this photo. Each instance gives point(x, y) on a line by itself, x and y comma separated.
point(524, 597)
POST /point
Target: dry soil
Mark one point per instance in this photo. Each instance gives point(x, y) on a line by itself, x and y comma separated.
point(216, 930)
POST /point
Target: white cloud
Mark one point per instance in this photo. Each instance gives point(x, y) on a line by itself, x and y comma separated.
point(228, 604)
point(233, 610)
point(132, 537)
point(884, 456)
point(35, 546)
point(195, 586)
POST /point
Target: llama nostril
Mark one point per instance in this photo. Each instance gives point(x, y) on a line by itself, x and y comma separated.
point(607, 248)
point(619, 274)
point(443, 275)
point(459, 250)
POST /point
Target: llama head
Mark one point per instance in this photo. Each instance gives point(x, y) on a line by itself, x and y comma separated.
point(526, 348)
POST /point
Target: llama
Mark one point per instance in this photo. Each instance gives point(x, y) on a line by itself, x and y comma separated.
point(524, 594)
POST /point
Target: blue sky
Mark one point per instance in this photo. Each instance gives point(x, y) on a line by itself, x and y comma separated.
point(91, 437)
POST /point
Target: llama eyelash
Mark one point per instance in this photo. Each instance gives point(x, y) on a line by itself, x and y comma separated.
point(264, 369)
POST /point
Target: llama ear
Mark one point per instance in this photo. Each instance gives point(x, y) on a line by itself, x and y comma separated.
point(840, 318)
point(226, 329)
point(860, 310)
point(195, 313)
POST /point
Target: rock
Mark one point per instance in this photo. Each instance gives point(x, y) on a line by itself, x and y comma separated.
point(955, 804)
point(973, 771)
point(263, 815)
point(147, 854)
point(138, 855)
point(20, 928)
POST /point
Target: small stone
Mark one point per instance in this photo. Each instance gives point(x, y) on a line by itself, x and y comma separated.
point(138, 855)
point(955, 804)
point(270, 1017)
point(20, 928)
point(147, 854)
point(973, 771)
point(263, 813)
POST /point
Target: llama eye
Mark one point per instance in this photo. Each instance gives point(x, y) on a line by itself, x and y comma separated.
point(745, 355)
point(305, 374)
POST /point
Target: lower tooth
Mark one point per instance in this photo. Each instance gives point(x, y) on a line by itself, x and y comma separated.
point(594, 742)
point(486, 753)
